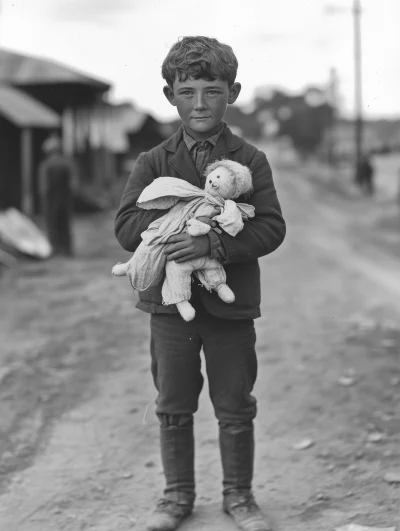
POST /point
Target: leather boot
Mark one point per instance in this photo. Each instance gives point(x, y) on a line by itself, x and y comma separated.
point(177, 455)
point(237, 456)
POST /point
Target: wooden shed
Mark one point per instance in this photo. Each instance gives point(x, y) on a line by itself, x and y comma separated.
point(24, 123)
point(58, 97)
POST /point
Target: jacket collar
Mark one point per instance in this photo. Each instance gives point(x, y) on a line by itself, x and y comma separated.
point(181, 161)
point(231, 141)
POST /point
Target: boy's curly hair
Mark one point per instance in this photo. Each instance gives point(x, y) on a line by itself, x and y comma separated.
point(200, 58)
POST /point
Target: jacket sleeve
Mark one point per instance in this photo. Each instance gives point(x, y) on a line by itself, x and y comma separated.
point(264, 233)
point(131, 220)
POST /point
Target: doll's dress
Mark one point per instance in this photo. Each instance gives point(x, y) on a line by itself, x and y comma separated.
point(146, 268)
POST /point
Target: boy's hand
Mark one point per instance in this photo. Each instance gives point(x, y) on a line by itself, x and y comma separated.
point(183, 247)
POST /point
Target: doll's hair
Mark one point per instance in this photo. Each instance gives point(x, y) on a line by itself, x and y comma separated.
point(240, 173)
point(199, 58)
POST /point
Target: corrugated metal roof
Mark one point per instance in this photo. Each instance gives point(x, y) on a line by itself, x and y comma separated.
point(19, 69)
point(25, 111)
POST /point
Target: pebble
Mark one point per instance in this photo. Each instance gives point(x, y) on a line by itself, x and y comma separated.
point(127, 475)
point(375, 437)
point(150, 464)
point(392, 477)
point(324, 454)
point(303, 444)
point(346, 381)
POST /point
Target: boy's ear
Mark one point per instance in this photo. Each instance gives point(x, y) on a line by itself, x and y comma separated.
point(169, 94)
point(234, 91)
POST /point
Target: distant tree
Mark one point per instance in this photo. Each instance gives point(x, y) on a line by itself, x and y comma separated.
point(303, 117)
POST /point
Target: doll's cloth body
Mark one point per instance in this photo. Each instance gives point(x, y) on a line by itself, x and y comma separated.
point(147, 266)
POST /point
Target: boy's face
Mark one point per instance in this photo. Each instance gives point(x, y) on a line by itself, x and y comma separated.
point(202, 104)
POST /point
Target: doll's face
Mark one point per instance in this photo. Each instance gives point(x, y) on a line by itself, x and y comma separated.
point(221, 182)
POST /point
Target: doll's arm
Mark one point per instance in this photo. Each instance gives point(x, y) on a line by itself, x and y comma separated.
point(195, 227)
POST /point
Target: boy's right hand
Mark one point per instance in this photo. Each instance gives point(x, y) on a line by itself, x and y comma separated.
point(183, 247)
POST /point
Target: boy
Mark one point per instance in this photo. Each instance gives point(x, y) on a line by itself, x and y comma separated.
point(200, 73)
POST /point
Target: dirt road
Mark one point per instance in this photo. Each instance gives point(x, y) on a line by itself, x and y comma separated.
point(78, 435)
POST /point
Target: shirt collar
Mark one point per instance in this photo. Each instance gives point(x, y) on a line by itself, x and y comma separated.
point(192, 142)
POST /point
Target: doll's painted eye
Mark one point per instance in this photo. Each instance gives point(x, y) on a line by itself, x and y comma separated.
point(210, 181)
point(217, 176)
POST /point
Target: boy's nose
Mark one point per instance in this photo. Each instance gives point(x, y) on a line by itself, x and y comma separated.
point(200, 102)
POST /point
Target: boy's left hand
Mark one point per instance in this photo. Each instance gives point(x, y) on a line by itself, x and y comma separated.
point(183, 247)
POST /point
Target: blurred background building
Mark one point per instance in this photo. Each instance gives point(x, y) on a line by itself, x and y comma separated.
point(39, 97)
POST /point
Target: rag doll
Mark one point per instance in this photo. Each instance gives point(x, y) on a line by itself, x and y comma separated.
point(226, 180)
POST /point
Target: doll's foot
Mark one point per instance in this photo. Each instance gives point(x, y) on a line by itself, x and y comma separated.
point(225, 293)
point(186, 310)
point(194, 227)
point(119, 270)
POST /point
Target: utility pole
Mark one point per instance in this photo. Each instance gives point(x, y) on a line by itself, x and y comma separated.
point(333, 102)
point(358, 124)
point(1, 19)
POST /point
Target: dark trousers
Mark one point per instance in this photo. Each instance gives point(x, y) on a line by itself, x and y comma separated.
point(231, 366)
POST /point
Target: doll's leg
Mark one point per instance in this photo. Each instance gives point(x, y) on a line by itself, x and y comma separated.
point(225, 293)
point(213, 276)
point(177, 286)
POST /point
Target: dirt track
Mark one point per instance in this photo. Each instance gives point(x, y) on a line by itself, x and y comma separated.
point(78, 436)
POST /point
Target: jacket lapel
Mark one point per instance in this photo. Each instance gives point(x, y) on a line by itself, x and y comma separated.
point(182, 163)
point(226, 144)
point(179, 158)
point(220, 151)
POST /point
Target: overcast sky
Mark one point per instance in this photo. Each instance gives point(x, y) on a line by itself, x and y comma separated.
point(283, 43)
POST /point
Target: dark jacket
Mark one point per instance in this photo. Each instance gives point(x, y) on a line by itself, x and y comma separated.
point(260, 236)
